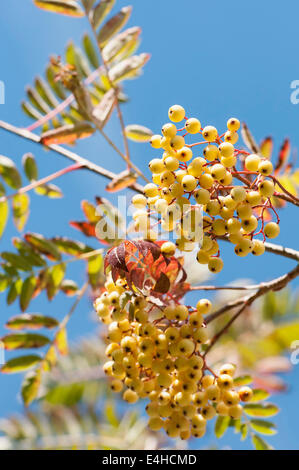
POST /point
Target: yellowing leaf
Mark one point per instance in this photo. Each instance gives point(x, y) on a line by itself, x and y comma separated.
point(100, 11)
point(122, 181)
point(27, 292)
point(259, 410)
point(30, 386)
point(4, 212)
point(259, 443)
point(64, 7)
point(67, 134)
point(19, 364)
point(128, 68)
point(263, 427)
point(61, 341)
point(120, 43)
point(138, 133)
point(9, 172)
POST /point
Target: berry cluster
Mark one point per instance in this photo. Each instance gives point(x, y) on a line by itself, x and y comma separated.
point(238, 211)
point(156, 353)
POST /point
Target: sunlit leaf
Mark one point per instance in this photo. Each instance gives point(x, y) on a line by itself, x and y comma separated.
point(20, 208)
point(55, 276)
point(69, 287)
point(263, 427)
point(4, 213)
point(33, 321)
point(259, 395)
point(67, 134)
point(114, 25)
point(242, 380)
point(259, 443)
point(259, 410)
point(120, 43)
point(103, 110)
point(122, 181)
point(9, 172)
point(90, 51)
point(221, 425)
point(30, 166)
point(138, 133)
point(61, 341)
point(50, 190)
point(43, 245)
point(19, 364)
point(128, 68)
point(27, 291)
point(30, 386)
point(100, 11)
point(64, 7)
point(24, 340)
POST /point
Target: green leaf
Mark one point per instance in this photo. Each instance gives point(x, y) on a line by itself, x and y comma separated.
point(14, 291)
point(259, 443)
point(111, 415)
point(4, 282)
point(30, 166)
point(221, 425)
point(19, 364)
point(64, 7)
point(27, 292)
point(244, 431)
point(263, 427)
point(55, 276)
point(138, 133)
point(43, 245)
point(27, 252)
point(50, 190)
point(94, 269)
point(100, 11)
point(67, 395)
point(242, 380)
point(114, 25)
point(31, 386)
point(16, 261)
point(124, 299)
point(71, 247)
point(259, 410)
point(20, 207)
point(24, 340)
point(9, 172)
point(4, 213)
point(33, 321)
point(259, 395)
point(90, 51)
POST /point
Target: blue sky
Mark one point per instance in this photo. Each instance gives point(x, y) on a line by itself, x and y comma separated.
point(218, 60)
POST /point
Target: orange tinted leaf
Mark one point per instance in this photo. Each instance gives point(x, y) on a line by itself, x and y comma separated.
point(86, 228)
point(67, 134)
point(122, 181)
point(266, 147)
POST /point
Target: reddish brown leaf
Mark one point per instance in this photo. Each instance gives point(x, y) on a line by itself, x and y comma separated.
point(283, 155)
point(163, 284)
point(86, 228)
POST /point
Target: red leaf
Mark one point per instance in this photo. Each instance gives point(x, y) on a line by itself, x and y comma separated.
point(283, 155)
point(86, 228)
point(137, 277)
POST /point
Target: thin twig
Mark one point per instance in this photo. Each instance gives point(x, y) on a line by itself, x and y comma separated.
point(36, 184)
point(274, 285)
point(25, 134)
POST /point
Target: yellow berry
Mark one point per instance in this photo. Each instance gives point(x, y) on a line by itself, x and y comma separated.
point(215, 265)
point(271, 230)
point(252, 162)
point(176, 113)
point(184, 154)
point(265, 167)
point(193, 125)
point(169, 130)
point(226, 149)
point(210, 133)
point(233, 124)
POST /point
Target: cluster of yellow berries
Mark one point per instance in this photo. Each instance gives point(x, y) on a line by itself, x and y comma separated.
point(234, 211)
point(156, 353)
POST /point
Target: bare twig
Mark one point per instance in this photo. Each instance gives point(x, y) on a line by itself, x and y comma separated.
point(36, 184)
point(25, 134)
point(274, 285)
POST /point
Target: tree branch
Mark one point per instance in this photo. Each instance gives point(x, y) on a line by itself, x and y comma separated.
point(274, 285)
point(25, 134)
